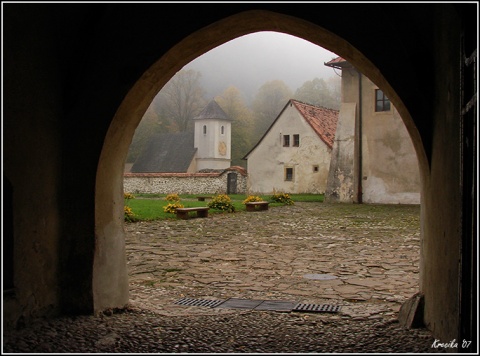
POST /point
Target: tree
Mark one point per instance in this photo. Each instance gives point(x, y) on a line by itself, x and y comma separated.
point(172, 110)
point(335, 85)
point(267, 104)
point(318, 92)
point(151, 123)
point(232, 102)
point(182, 98)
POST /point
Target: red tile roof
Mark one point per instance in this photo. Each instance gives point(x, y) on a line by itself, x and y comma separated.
point(239, 169)
point(339, 63)
point(322, 120)
point(178, 175)
point(336, 60)
point(217, 173)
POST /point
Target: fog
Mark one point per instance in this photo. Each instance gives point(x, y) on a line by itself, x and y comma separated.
point(251, 60)
point(246, 63)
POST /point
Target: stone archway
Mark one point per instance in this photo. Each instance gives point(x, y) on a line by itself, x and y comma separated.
point(110, 280)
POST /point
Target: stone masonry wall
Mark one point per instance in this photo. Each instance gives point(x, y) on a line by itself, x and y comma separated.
point(181, 183)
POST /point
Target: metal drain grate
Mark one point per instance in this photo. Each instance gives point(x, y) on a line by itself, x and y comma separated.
point(321, 277)
point(273, 305)
point(236, 303)
point(192, 302)
point(316, 308)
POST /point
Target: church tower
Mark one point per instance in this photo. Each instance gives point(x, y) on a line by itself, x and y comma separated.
point(213, 138)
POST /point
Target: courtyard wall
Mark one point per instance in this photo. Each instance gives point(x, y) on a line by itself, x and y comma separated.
point(185, 183)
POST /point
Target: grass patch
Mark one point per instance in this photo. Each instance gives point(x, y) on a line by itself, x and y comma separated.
point(241, 197)
point(152, 209)
point(314, 198)
point(150, 206)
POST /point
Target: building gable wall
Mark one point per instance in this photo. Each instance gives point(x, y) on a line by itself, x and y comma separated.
point(268, 161)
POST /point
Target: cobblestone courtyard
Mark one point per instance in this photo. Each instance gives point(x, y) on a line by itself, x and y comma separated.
point(367, 256)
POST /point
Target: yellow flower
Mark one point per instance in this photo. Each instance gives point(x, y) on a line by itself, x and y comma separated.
point(172, 207)
point(128, 196)
point(172, 197)
point(251, 198)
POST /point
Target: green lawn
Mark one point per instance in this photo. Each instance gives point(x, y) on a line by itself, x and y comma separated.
point(150, 206)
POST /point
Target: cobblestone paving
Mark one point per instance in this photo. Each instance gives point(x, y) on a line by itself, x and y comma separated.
point(370, 252)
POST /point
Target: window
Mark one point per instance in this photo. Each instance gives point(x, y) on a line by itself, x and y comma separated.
point(286, 140)
point(204, 129)
point(382, 103)
point(296, 140)
point(315, 169)
point(223, 130)
point(289, 174)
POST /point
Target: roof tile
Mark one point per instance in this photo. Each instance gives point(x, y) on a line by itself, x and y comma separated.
point(322, 120)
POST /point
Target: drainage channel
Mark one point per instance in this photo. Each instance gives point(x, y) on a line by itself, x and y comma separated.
point(259, 304)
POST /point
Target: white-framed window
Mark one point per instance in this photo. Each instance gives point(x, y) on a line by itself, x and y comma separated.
point(382, 103)
point(204, 129)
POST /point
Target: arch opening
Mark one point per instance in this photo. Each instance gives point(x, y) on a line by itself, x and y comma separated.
point(110, 284)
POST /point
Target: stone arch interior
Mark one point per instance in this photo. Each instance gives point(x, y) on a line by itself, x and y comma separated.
point(69, 71)
point(8, 236)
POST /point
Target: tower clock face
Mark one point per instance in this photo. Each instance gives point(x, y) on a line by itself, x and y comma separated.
point(222, 148)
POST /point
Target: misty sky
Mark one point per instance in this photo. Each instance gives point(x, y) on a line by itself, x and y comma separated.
point(251, 60)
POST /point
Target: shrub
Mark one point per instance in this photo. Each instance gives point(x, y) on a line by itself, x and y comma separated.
point(251, 198)
point(222, 202)
point(282, 198)
point(172, 197)
point(171, 207)
point(128, 196)
point(128, 214)
point(127, 211)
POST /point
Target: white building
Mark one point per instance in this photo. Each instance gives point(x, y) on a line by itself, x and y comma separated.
point(293, 156)
point(213, 136)
point(208, 148)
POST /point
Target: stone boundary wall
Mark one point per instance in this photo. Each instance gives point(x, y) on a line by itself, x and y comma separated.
point(182, 183)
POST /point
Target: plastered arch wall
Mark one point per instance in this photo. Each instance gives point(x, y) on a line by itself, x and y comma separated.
point(78, 78)
point(110, 281)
